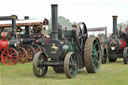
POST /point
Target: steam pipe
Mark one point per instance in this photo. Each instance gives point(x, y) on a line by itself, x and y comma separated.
point(13, 17)
point(2, 18)
point(105, 33)
point(26, 27)
point(54, 21)
point(115, 31)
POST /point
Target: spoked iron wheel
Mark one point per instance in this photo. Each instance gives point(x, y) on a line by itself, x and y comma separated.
point(30, 51)
point(38, 69)
point(37, 48)
point(9, 56)
point(71, 65)
point(104, 56)
point(81, 35)
point(125, 55)
point(22, 55)
point(92, 55)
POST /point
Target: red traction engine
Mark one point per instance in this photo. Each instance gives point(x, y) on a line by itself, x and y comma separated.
point(117, 45)
point(10, 50)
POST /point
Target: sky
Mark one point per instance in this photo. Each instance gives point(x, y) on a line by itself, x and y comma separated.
point(95, 13)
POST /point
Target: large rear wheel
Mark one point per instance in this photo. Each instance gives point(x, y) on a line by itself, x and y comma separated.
point(92, 55)
point(71, 65)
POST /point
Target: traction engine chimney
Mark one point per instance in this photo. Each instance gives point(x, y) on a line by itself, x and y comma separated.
point(54, 21)
point(115, 31)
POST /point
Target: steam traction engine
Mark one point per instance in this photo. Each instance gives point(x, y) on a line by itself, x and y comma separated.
point(68, 54)
point(9, 44)
point(117, 45)
point(32, 40)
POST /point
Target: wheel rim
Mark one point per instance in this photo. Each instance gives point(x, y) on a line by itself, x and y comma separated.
point(92, 55)
point(81, 35)
point(71, 65)
point(96, 54)
point(104, 57)
point(22, 55)
point(9, 56)
point(125, 55)
point(30, 52)
point(39, 70)
point(37, 48)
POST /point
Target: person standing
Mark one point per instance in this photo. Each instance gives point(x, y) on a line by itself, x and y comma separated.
point(74, 32)
point(126, 29)
point(45, 26)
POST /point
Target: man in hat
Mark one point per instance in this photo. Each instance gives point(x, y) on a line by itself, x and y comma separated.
point(74, 32)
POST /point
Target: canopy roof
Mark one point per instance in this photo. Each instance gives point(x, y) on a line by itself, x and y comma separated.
point(8, 23)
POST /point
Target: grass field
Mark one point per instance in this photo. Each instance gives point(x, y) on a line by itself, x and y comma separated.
point(22, 74)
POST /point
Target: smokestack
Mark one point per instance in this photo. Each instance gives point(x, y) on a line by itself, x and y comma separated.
point(115, 31)
point(26, 27)
point(106, 33)
point(54, 21)
point(13, 17)
point(26, 17)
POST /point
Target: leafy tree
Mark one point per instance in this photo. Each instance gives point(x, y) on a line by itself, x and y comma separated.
point(64, 22)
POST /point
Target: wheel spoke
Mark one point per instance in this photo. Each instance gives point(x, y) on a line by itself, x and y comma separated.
point(13, 53)
point(7, 52)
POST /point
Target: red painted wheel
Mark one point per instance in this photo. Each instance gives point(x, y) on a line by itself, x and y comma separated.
point(9, 56)
point(22, 55)
point(37, 48)
point(30, 51)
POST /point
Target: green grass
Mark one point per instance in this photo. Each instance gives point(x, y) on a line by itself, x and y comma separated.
point(22, 74)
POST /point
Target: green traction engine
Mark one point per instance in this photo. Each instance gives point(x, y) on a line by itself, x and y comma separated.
point(72, 52)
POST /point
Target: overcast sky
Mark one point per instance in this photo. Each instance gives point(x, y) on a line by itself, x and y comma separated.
point(95, 13)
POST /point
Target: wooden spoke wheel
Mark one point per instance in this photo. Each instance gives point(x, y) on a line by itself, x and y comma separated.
point(92, 55)
point(71, 65)
point(30, 52)
point(22, 55)
point(9, 56)
point(37, 48)
point(125, 55)
point(81, 35)
point(38, 69)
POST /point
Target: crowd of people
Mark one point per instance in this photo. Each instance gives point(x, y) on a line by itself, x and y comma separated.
point(124, 30)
